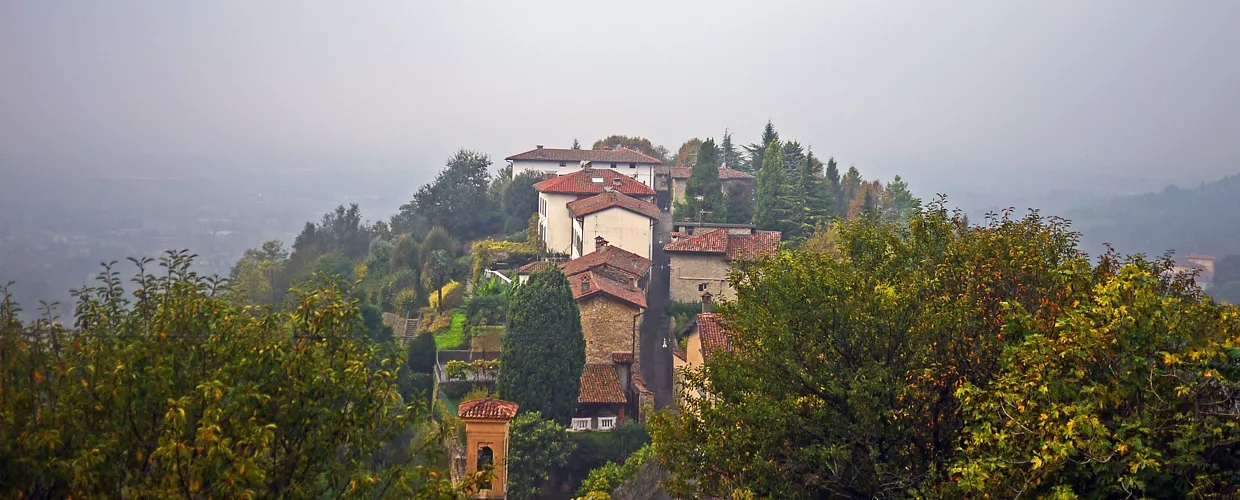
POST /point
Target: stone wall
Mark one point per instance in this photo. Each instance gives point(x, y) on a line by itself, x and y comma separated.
point(644, 485)
point(688, 270)
point(607, 325)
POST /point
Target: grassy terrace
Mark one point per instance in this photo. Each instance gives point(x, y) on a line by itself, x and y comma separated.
point(452, 338)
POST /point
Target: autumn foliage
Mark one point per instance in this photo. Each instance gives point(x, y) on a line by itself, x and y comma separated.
point(942, 359)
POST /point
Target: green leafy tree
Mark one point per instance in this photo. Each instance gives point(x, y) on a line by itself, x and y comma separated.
point(438, 266)
point(1131, 392)
point(813, 203)
point(738, 197)
point(770, 204)
point(257, 273)
point(639, 144)
point(704, 191)
point(535, 448)
point(843, 374)
point(544, 352)
point(687, 155)
point(420, 357)
point(457, 199)
point(520, 200)
point(169, 390)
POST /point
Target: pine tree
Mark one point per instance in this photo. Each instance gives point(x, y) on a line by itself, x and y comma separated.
point(729, 154)
point(903, 203)
point(704, 183)
point(576, 145)
point(848, 190)
point(757, 150)
point(816, 201)
point(544, 351)
point(770, 205)
point(832, 176)
point(794, 159)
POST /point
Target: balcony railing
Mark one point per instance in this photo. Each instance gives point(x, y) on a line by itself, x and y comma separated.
point(606, 423)
point(593, 424)
point(580, 424)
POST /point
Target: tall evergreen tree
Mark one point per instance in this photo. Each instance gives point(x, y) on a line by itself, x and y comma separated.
point(815, 201)
point(794, 159)
point(728, 153)
point(770, 203)
point(704, 183)
point(544, 351)
point(832, 176)
point(903, 203)
point(757, 150)
point(576, 145)
point(738, 197)
point(848, 190)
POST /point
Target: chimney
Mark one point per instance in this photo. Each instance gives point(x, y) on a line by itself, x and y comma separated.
point(585, 283)
point(706, 305)
point(600, 243)
point(633, 283)
point(538, 146)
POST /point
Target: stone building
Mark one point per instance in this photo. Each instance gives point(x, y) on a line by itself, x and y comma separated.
point(700, 262)
point(486, 444)
point(703, 336)
point(674, 180)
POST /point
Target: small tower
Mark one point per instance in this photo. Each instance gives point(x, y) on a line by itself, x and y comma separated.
point(486, 442)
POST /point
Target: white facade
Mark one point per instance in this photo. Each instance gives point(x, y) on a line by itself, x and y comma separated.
point(555, 221)
point(621, 228)
point(643, 172)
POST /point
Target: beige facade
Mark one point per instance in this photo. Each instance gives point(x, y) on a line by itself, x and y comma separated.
point(621, 228)
point(693, 273)
point(607, 324)
point(488, 436)
point(555, 221)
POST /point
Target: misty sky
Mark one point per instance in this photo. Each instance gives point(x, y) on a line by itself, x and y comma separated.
point(952, 95)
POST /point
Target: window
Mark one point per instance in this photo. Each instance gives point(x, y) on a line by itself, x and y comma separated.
point(580, 424)
point(702, 287)
point(606, 423)
point(563, 163)
point(613, 165)
point(486, 459)
point(632, 165)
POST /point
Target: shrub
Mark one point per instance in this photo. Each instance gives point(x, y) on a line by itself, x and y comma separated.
point(595, 449)
point(486, 309)
point(453, 292)
point(607, 478)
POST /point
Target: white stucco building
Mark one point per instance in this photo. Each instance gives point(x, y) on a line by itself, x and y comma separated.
point(619, 219)
point(623, 161)
point(624, 221)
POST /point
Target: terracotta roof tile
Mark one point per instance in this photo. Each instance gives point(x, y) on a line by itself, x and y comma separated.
point(680, 353)
point(487, 408)
point(640, 383)
point(712, 334)
point(600, 384)
point(533, 267)
point(622, 155)
point(583, 182)
point(609, 199)
point(590, 283)
point(733, 246)
point(753, 246)
point(611, 256)
point(621, 357)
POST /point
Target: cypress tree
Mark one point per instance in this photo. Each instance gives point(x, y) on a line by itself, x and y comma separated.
point(770, 205)
point(544, 351)
point(728, 153)
point(704, 182)
point(420, 357)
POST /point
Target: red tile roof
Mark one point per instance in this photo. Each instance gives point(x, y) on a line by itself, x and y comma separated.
point(600, 384)
point(621, 357)
point(733, 246)
point(622, 155)
point(609, 199)
point(610, 256)
point(583, 182)
point(533, 267)
point(725, 174)
point(590, 283)
point(487, 408)
point(680, 353)
point(712, 334)
point(640, 383)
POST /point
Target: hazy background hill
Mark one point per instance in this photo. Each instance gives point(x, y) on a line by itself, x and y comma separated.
point(1193, 220)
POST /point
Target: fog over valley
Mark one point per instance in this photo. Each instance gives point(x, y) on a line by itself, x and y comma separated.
point(215, 127)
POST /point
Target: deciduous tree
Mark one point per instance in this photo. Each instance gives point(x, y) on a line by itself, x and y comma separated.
point(457, 198)
point(536, 447)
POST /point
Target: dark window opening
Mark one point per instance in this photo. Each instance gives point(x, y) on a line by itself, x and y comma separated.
point(613, 165)
point(632, 165)
point(563, 163)
point(485, 462)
